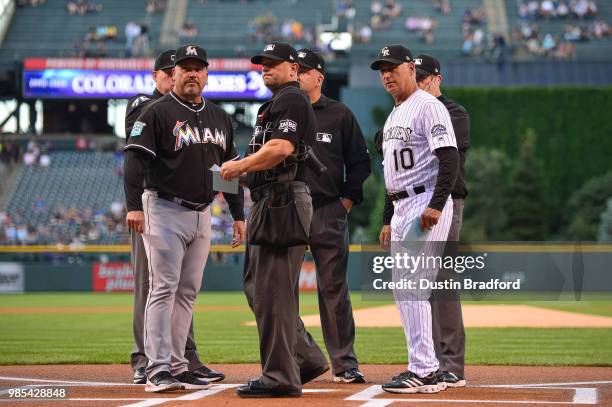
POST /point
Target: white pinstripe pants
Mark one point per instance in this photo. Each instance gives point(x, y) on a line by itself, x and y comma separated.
point(413, 305)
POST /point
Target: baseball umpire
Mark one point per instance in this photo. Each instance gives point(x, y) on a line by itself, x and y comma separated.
point(177, 140)
point(162, 75)
point(278, 228)
point(340, 146)
point(420, 167)
point(447, 319)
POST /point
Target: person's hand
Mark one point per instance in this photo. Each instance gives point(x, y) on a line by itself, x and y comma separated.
point(239, 233)
point(231, 170)
point(429, 218)
point(385, 237)
point(135, 221)
point(348, 204)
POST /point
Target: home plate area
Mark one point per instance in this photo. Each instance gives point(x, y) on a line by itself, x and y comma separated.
point(109, 386)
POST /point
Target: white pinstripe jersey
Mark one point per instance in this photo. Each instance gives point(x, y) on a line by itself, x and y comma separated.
point(413, 130)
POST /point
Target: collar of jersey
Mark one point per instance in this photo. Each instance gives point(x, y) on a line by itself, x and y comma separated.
point(289, 84)
point(321, 103)
point(178, 99)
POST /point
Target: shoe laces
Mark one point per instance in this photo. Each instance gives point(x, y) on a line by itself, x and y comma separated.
point(403, 376)
point(353, 371)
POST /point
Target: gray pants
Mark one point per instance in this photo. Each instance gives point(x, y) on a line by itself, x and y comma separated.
point(140, 267)
point(271, 277)
point(329, 244)
point(177, 242)
point(447, 319)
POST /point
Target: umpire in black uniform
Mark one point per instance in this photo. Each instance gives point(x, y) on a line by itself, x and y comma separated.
point(278, 227)
point(134, 188)
point(340, 146)
point(447, 320)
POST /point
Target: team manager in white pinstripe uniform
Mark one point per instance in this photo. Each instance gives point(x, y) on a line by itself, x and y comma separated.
point(420, 166)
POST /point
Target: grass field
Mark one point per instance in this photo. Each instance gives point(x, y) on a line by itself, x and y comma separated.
point(74, 335)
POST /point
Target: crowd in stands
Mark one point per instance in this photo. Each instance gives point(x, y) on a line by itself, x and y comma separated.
point(10, 153)
point(30, 3)
point(137, 39)
point(82, 7)
point(155, 6)
point(477, 41)
point(266, 28)
point(76, 227)
point(70, 227)
point(561, 9)
point(558, 46)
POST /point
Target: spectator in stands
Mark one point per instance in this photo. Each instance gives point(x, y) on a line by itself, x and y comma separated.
point(155, 6)
point(30, 3)
point(364, 35)
point(132, 31)
point(442, 6)
point(188, 31)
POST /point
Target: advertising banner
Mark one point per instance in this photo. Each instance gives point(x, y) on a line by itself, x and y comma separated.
point(113, 277)
point(12, 277)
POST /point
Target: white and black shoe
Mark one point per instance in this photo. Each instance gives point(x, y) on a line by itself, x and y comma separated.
point(162, 382)
point(450, 379)
point(189, 382)
point(408, 382)
point(352, 375)
point(140, 376)
point(208, 374)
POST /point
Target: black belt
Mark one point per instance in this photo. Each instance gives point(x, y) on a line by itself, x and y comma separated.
point(396, 196)
point(259, 193)
point(194, 206)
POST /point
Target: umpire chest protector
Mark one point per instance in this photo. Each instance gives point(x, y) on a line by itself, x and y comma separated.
point(183, 141)
point(289, 116)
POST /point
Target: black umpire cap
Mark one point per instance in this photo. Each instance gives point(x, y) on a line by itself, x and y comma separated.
point(279, 51)
point(190, 52)
point(165, 60)
point(394, 54)
point(311, 60)
point(427, 65)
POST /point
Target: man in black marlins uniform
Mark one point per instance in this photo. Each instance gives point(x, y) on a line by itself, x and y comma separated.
point(340, 146)
point(162, 75)
point(289, 355)
point(177, 140)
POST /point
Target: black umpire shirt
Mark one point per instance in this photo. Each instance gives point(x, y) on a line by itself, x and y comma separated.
point(340, 146)
point(288, 116)
point(135, 107)
point(182, 141)
point(461, 125)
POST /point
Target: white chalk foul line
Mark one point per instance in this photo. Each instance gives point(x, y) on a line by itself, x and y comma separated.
point(545, 384)
point(217, 388)
point(582, 395)
point(65, 382)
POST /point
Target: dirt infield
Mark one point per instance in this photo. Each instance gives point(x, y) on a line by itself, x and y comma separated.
point(110, 386)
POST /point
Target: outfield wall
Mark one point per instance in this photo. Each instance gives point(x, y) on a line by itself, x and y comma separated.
point(542, 267)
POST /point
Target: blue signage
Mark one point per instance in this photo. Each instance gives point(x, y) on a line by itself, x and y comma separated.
point(102, 84)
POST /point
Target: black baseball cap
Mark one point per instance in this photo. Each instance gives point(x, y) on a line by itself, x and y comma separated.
point(165, 60)
point(279, 51)
point(395, 54)
point(311, 60)
point(190, 52)
point(427, 65)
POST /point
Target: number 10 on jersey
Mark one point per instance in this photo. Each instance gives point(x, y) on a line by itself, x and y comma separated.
point(403, 158)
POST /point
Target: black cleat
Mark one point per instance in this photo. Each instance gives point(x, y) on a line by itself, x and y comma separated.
point(162, 382)
point(352, 375)
point(140, 377)
point(190, 382)
point(450, 379)
point(408, 382)
point(208, 374)
point(256, 389)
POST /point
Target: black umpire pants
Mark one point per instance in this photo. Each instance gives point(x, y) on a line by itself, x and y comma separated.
point(271, 278)
point(329, 244)
point(140, 267)
point(447, 319)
